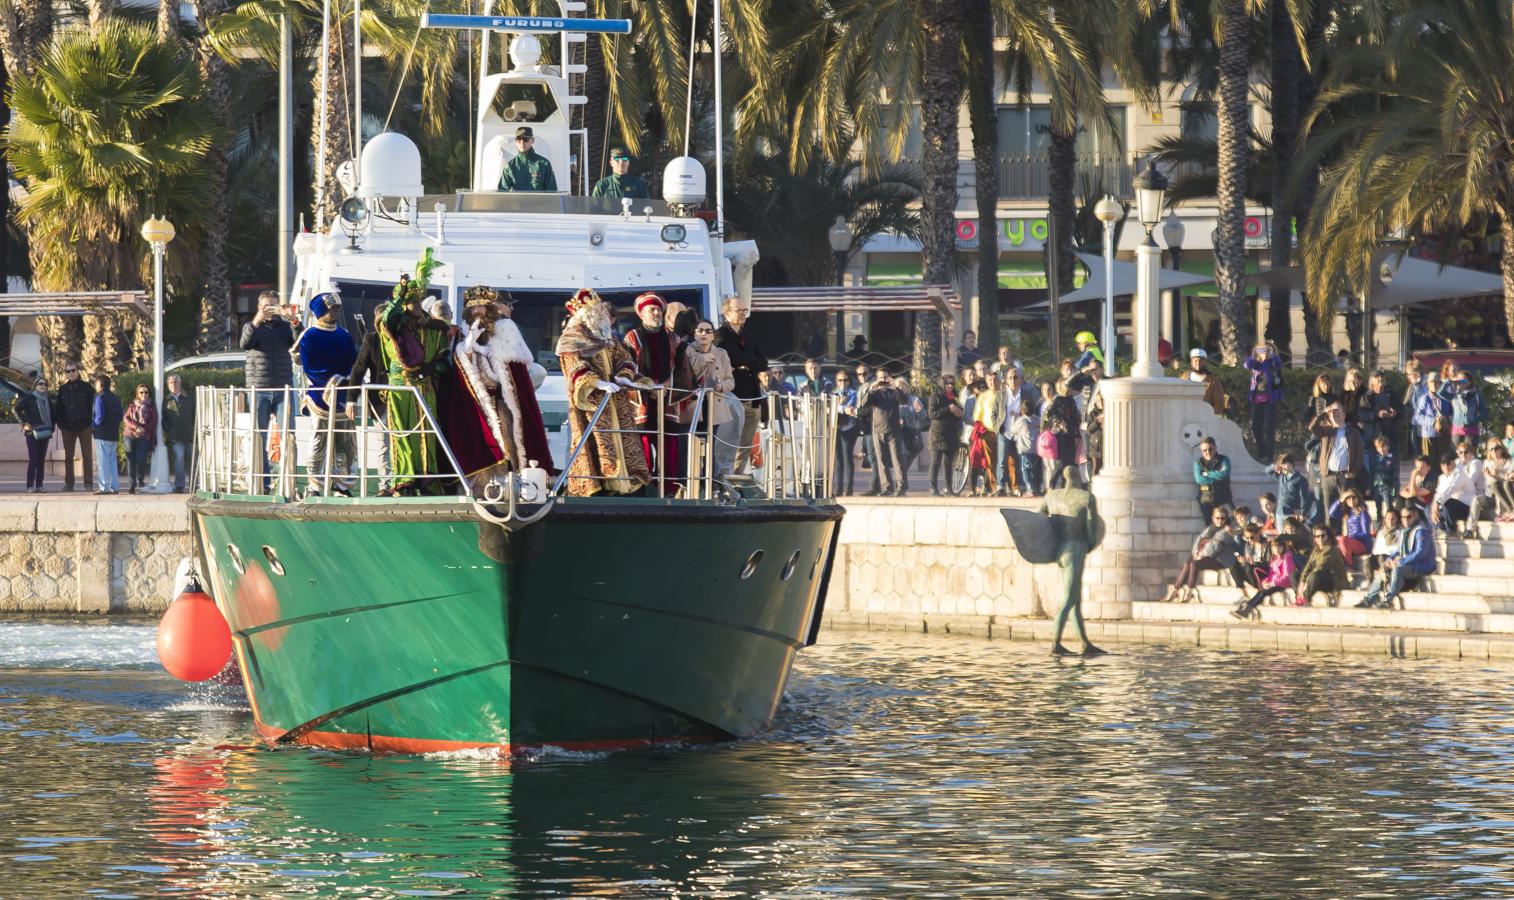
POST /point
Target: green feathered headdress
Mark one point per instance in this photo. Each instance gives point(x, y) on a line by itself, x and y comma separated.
point(415, 288)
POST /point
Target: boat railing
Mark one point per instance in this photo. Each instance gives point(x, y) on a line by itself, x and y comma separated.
point(249, 441)
point(280, 443)
point(792, 457)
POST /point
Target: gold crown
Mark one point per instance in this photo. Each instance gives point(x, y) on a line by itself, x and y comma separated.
point(585, 298)
point(478, 296)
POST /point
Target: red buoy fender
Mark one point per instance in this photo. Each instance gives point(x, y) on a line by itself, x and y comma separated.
point(194, 641)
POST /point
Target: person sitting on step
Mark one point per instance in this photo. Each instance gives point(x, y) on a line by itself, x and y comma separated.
point(1214, 549)
point(1281, 571)
point(1414, 559)
point(1325, 570)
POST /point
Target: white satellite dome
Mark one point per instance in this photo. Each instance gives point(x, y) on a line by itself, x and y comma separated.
point(391, 167)
point(683, 182)
point(525, 53)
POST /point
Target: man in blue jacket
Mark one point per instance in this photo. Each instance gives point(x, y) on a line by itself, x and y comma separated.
point(105, 426)
point(1414, 559)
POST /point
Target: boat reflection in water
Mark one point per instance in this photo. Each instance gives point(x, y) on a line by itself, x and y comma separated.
point(251, 820)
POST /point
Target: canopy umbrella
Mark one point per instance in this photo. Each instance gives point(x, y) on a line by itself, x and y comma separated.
point(1125, 280)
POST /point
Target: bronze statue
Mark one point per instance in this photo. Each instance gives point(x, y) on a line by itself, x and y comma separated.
point(1064, 530)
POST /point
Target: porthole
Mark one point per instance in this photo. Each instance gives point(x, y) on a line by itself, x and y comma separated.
point(236, 559)
point(273, 560)
point(751, 564)
point(788, 567)
point(815, 566)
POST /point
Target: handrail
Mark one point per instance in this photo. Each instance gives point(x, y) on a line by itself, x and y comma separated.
point(690, 460)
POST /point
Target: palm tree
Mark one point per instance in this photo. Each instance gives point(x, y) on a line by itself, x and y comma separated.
point(108, 129)
point(1422, 131)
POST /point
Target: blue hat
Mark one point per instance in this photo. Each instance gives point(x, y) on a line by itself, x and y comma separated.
point(324, 301)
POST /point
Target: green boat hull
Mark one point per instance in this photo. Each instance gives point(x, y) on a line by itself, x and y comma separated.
point(415, 626)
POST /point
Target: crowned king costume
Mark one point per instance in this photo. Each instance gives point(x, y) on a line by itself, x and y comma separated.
point(611, 460)
point(501, 375)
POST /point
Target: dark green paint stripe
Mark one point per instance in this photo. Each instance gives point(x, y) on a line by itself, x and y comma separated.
point(285, 623)
point(297, 731)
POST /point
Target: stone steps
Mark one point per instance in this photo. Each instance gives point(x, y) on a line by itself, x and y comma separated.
point(1492, 590)
point(1423, 612)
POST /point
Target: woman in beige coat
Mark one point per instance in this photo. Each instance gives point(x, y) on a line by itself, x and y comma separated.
point(722, 411)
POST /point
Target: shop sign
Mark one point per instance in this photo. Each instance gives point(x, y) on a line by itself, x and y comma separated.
point(1016, 230)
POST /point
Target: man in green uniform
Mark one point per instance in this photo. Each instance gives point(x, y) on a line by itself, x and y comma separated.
point(528, 170)
point(622, 183)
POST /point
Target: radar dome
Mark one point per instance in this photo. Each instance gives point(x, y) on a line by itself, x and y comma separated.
point(525, 53)
point(391, 168)
point(683, 182)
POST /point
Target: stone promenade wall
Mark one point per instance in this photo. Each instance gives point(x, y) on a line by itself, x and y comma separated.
point(937, 566)
point(86, 555)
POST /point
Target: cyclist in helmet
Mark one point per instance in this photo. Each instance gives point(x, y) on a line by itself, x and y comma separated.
point(1090, 357)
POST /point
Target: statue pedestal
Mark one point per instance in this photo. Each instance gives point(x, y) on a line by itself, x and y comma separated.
point(1146, 493)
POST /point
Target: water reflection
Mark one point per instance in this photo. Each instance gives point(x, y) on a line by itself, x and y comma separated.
point(901, 766)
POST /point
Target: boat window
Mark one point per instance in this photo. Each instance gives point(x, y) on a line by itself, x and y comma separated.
point(788, 567)
point(751, 564)
point(273, 560)
point(523, 102)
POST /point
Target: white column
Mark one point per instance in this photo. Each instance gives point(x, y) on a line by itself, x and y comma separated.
point(1108, 336)
point(1147, 310)
point(158, 474)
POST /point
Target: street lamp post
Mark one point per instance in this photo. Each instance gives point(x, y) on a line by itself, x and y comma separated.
point(1108, 212)
point(1150, 186)
point(158, 232)
point(840, 236)
point(1173, 233)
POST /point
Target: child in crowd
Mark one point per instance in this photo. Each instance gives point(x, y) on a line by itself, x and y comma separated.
point(1282, 568)
point(1422, 481)
point(1508, 438)
point(1498, 469)
point(1254, 556)
point(1382, 469)
point(1350, 518)
point(1324, 571)
point(1293, 494)
point(1242, 517)
point(1268, 503)
point(1295, 533)
point(1385, 542)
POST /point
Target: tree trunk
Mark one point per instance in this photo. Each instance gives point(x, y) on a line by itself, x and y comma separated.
point(940, 96)
point(1320, 347)
point(1506, 230)
point(1234, 157)
point(596, 92)
point(168, 20)
point(25, 27)
point(1286, 65)
point(985, 124)
point(1061, 183)
point(215, 298)
point(5, 213)
point(338, 126)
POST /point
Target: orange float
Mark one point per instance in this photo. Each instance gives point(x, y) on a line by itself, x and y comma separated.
point(194, 642)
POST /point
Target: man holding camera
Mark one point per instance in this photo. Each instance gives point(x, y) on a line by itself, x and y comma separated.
point(267, 340)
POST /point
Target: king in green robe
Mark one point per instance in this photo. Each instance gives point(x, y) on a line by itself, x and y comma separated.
point(417, 353)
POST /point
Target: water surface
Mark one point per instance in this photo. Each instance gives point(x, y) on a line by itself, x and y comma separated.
point(900, 766)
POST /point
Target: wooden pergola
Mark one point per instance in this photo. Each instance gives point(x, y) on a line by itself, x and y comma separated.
point(74, 303)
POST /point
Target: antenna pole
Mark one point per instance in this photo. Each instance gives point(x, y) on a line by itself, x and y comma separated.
point(320, 144)
point(357, 92)
point(286, 154)
point(688, 108)
point(719, 134)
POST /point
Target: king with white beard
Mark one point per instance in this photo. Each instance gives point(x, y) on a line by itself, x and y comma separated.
point(502, 376)
point(595, 364)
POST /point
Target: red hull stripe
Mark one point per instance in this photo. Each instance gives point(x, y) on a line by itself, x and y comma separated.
point(379, 743)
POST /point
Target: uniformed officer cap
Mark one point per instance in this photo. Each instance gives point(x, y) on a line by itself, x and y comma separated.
point(524, 131)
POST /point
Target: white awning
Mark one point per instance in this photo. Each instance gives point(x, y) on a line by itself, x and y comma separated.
point(1414, 281)
point(1125, 280)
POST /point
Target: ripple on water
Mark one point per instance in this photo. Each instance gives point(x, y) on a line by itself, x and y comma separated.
point(899, 766)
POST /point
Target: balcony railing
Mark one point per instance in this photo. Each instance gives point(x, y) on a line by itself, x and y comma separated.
point(1028, 177)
